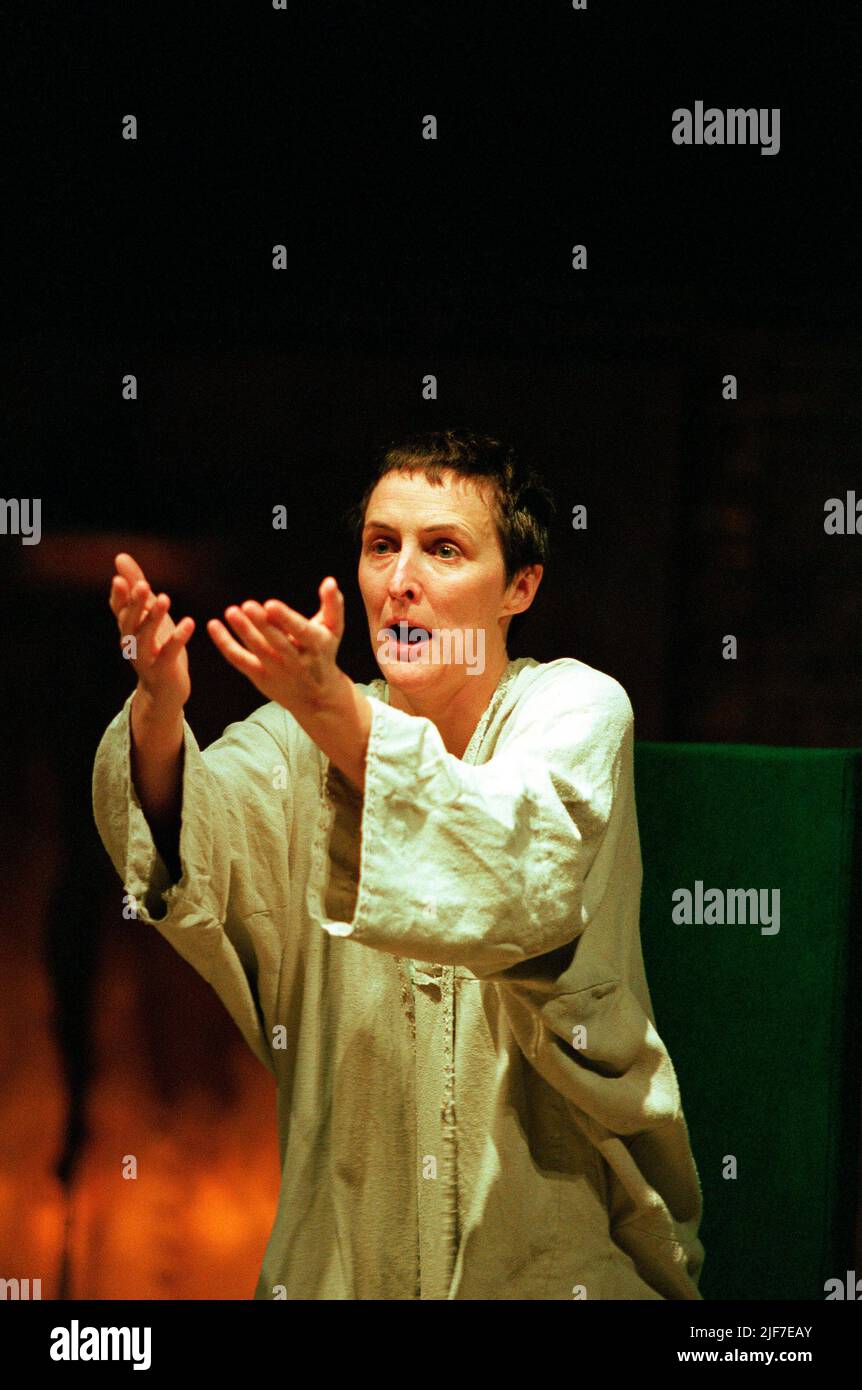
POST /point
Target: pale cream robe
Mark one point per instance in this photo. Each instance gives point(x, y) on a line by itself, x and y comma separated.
point(445, 979)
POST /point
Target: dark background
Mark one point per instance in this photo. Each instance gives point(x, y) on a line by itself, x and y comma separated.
point(258, 387)
point(407, 256)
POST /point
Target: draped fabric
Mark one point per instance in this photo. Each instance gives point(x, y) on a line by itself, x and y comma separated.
point(444, 976)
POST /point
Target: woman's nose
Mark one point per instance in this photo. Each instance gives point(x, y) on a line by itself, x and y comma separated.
point(402, 588)
point(403, 580)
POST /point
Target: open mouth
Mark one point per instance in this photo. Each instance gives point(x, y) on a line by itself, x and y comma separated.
point(407, 634)
point(406, 641)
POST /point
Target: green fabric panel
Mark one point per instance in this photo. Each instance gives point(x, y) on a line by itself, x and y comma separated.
point(761, 1029)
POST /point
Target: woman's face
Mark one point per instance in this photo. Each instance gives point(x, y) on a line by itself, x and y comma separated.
point(431, 559)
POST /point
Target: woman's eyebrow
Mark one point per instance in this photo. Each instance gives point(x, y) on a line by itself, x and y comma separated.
point(424, 530)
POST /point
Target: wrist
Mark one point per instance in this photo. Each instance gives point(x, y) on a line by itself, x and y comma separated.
point(154, 711)
point(331, 702)
point(340, 725)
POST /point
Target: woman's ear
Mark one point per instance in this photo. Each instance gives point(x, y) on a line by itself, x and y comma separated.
point(522, 589)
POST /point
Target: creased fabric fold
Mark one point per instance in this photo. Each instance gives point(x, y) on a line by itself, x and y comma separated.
point(444, 975)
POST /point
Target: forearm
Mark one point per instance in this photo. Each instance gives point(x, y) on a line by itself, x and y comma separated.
point(157, 769)
point(341, 728)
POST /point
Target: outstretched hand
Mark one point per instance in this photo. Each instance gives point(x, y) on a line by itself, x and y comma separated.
point(289, 658)
point(155, 645)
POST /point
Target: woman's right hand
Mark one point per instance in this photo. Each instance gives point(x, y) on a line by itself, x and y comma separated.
point(161, 662)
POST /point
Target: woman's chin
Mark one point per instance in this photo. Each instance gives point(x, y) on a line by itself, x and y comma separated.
point(408, 670)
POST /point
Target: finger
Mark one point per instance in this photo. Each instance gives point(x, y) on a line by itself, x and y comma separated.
point(160, 605)
point(248, 633)
point(130, 616)
point(128, 568)
point(121, 598)
point(147, 631)
point(292, 624)
point(139, 606)
point(119, 595)
point(178, 638)
point(237, 656)
point(278, 640)
point(332, 605)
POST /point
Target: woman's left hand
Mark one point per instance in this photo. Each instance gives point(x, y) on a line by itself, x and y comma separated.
point(291, 659)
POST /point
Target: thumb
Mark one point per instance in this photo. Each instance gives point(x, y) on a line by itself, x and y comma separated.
point(332, 606)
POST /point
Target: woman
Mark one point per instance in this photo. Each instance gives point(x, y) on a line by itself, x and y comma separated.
point(419, 900)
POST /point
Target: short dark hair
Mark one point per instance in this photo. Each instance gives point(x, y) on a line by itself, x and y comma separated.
point(521, 502)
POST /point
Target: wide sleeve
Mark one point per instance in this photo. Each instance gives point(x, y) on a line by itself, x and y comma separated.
point(485, 865)
point(222, 915)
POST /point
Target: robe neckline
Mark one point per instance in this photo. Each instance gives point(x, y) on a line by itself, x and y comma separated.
point(380, 688)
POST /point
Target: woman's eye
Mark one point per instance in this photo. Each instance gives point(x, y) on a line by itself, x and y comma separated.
point(447, 545)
